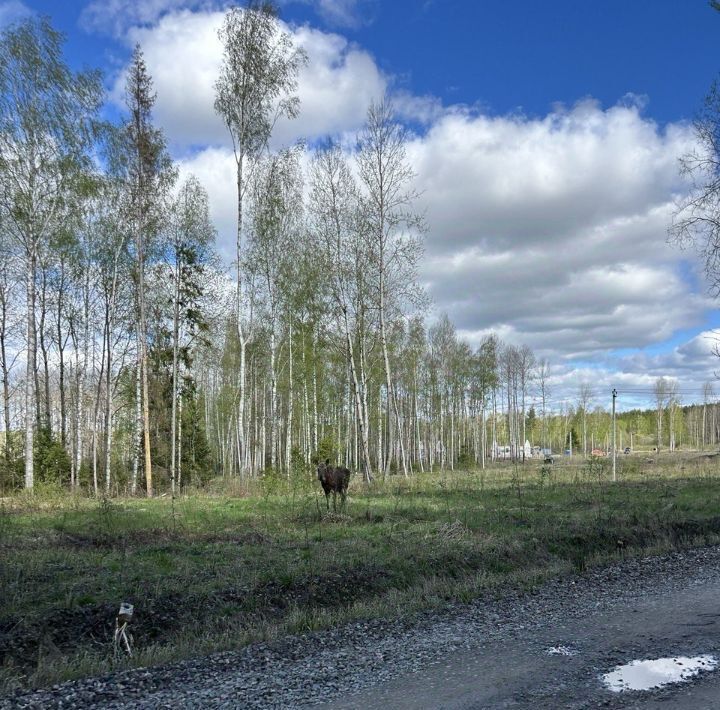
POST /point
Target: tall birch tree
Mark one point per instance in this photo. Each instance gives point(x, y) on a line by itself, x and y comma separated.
point(46, 118)
point(256, 88)
point(333, 211)
point(276, 227)
point(393, 231)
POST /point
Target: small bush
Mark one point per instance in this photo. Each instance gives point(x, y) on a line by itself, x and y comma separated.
point(545, 473)
point(52, 464)
point(327, 449)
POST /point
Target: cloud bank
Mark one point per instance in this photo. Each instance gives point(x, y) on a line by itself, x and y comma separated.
point(548, 230)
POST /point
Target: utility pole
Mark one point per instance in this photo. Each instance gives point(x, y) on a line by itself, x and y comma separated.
point(614, 451)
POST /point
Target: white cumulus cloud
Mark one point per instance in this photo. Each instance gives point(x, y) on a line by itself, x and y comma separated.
point(547, 230)
point(116, 17)
point(553, 230)
point(184, 55)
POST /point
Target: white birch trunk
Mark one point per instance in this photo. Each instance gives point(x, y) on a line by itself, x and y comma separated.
point(288, 436)
point(30, 367)
point(273, 400)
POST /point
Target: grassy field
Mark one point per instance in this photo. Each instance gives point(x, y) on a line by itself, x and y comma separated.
point(208, 572)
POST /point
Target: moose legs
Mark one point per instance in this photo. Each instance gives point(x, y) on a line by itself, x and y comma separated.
point(343, 498)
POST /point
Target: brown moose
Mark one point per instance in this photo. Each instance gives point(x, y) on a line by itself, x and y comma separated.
point(334, 480)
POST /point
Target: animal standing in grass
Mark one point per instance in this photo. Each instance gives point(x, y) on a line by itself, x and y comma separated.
point(334, 480)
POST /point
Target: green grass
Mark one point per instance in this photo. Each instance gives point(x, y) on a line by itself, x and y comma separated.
point(210, 572)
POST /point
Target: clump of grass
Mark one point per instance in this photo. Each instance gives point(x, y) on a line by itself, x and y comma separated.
point(450, 532)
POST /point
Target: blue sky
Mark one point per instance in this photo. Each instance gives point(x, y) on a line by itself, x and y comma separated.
point(507, 56)
point(546, 141)
point(526, 55)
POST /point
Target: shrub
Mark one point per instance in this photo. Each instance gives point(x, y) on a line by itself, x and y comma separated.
point(52, 464)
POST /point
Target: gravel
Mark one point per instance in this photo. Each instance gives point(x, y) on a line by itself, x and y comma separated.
point(300, 671)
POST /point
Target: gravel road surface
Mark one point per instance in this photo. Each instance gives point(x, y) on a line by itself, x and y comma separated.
point(488, 654)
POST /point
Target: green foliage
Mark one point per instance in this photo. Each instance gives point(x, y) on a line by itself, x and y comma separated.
point(52, 464)
point(328, 448)
point(11, 471)
point(197, 465)
point(300, 479)
point(545, 473)
point(465, 459)
point(298, 468)
point(273, 481)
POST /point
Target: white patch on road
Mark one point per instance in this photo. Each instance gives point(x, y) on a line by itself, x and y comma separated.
point(644, 675)
point(560, 651)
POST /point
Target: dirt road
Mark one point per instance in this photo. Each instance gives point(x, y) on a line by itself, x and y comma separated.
point(559, 664)
point(492, 653)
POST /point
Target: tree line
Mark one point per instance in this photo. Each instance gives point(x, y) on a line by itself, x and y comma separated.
point(133, 360)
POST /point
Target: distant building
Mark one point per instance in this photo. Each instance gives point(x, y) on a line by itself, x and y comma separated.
point(502, 452)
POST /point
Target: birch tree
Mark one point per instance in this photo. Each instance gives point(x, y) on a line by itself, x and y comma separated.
point(115, 298)
point(673, 405)
point(660, 391)
point(46, 115)
point(392, 228)
point(256, 88)
point(542, 377)
point(696, 222)
point(8, 337)
point(333, 210)
point(585, 396)
point(276, 225)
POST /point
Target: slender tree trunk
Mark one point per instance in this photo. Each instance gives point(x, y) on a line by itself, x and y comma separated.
point(306, 405)
point(417, 425)
point(30, 367)
point(288, 437)
point(179, 444)
point(145, 403)
point(93, 450)
point(80, 411)
point(243, 456)
point(256, 464)
point(442, 433)
point(263, 430)
point(239, 313)
point(494, 424)
point(5, 371)
point(392, 400)
point(452, 432)
point(108, 418)
point(273, 398)
point(364, 389)
point(176, 331)
point(74, 466)
point(380, 459)
point(61, 358)
point(110, 301)
point(44, 420)
point(484, 433)
point(367, 468)
point(315, 397)
point(137, 437)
